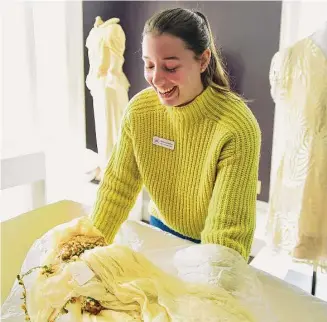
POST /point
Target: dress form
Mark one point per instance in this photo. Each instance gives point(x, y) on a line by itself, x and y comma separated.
point(107, 83)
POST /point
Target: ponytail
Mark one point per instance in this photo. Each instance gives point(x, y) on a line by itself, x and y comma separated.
point(215, 75)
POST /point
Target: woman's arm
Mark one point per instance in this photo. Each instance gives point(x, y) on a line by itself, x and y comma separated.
point(120, 186)
point(231, 215)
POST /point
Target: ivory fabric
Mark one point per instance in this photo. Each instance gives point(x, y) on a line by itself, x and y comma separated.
point(127, 284)
point(199, 263)
point(297, 212)
point(133, 289)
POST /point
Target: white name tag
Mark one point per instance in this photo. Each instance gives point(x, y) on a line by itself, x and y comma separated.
point(81, 272)
point(163, 143)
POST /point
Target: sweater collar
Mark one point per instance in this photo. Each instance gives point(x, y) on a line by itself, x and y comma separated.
point(195, 110)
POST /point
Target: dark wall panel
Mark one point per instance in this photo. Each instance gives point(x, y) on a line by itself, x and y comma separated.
point(247, 33)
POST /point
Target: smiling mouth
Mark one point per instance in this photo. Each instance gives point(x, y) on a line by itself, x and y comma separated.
point(167, 92)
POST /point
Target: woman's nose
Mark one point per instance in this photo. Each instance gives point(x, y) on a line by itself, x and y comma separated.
point(158, 78)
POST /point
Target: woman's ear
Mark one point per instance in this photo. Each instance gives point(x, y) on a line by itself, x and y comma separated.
point(205, 59)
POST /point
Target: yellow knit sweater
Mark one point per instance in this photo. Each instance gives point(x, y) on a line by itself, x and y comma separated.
point(202, 180)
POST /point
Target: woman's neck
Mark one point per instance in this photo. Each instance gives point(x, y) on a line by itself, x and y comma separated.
point(198, 92)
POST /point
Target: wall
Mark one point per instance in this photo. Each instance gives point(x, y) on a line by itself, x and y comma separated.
point(248, 33)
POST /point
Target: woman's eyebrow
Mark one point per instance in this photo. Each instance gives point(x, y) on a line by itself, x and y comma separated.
point(165, 58)
point(171, 58)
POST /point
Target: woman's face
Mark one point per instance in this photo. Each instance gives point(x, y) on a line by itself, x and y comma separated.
point(171, 69)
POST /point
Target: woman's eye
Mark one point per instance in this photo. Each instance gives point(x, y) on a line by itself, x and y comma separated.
point(171, 70)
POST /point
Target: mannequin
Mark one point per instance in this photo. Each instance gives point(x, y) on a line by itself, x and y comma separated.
point(107, 83)
point(297, 219)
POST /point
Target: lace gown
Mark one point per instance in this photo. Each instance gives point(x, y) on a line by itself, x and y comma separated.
point(297, 212)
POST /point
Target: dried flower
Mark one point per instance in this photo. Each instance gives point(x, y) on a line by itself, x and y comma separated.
point(70, 251)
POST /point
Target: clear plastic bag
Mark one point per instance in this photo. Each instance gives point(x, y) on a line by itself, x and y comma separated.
point(224, 267)
point(124, 282)
point(205, 264)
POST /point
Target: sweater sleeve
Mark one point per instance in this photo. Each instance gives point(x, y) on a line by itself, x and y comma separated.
point(119, 187)
point(232, 208)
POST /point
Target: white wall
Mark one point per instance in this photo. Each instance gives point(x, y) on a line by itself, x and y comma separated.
point(47, 116)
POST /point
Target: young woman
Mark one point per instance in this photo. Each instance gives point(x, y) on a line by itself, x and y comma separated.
point(191, 141)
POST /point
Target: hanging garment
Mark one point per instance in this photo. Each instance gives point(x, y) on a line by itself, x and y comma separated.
point(107, 82)
point(297, 220)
